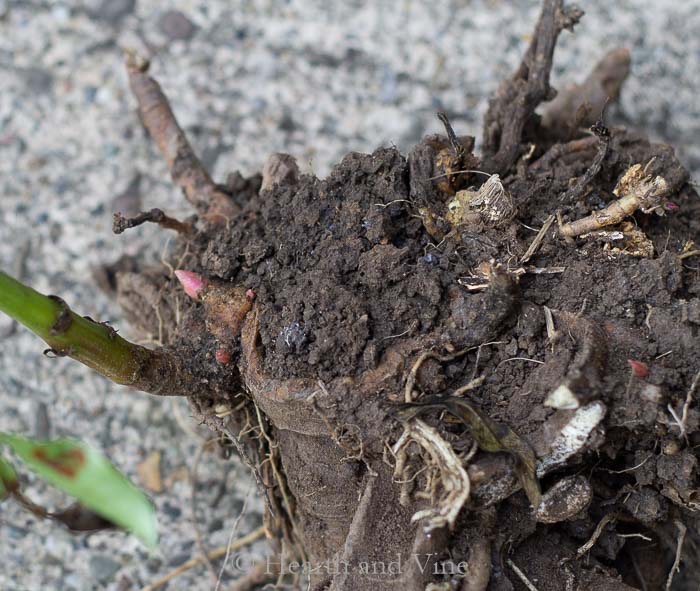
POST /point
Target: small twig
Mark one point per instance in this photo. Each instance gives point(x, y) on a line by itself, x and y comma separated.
point(156, 216)
point(521, 575)
point(682, 529)
point(539, 239)
point(213, 555)
point(451, 135)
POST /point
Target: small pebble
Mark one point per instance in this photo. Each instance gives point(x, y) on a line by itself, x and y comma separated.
point(113, 11)
point(176, 26)
point(103, 568)
point(222, 356)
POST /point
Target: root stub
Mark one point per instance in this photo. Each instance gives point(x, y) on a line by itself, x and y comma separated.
point(316, 307)
point(186, 169)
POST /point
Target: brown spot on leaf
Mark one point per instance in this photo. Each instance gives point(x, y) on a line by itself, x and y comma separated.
point(66, 462)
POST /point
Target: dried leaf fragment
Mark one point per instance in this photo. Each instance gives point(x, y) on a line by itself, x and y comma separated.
point(491, 204)
point(573, 436)
point(149, 472)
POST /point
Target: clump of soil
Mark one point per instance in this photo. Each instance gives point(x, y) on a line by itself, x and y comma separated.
point(328, 302)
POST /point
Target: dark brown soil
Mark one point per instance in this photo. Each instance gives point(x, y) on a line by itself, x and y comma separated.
point(355, 275)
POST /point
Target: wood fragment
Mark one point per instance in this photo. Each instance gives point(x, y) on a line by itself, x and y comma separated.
point(552, 333)
point(516, 99)
point(539, 239)
point(186, 169)
point(451, 135)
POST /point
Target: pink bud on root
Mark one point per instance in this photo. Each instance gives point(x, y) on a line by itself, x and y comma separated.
point(192, 283)
point(222, 356)
point(671, 206)
point(250, 294)
point(639, 369)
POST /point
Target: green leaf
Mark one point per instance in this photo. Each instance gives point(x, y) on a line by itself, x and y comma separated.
point(87, 475)
point(8, 478)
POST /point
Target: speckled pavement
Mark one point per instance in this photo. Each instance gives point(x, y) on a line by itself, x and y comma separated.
point(312, 78)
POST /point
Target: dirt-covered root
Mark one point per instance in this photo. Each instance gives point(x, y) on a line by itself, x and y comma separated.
point(400, 349)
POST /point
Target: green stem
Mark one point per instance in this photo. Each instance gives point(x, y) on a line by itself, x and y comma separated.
point(96, 345)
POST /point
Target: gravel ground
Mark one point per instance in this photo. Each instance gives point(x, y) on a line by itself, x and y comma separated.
point(315, 79)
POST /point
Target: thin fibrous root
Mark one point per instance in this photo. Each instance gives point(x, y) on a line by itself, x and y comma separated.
point(453, 477)
point(186, 169)
point(635, 190)
point(607, 518)
point(682, 529)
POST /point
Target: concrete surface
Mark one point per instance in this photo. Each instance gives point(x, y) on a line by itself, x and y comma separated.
point(246, 78)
